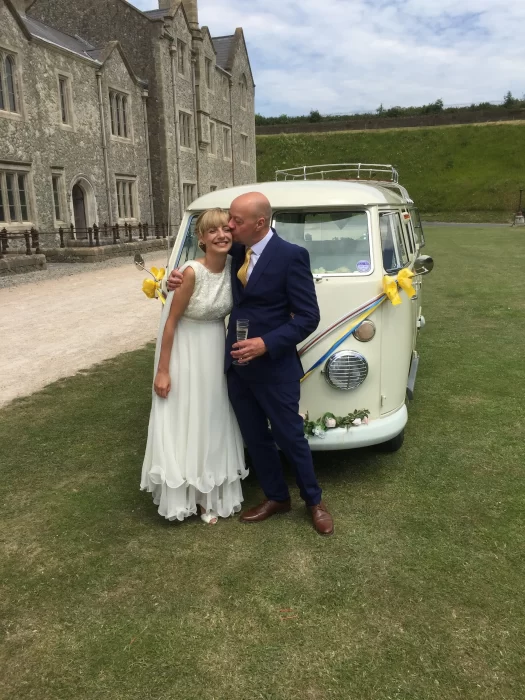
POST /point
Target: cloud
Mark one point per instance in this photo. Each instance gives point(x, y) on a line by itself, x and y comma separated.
point(341, 56)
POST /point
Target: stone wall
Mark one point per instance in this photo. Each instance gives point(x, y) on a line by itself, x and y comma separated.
point(37, 142)
point(149, 43)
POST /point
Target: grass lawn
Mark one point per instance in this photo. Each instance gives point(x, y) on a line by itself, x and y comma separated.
point(464, 173)
point(418, 596)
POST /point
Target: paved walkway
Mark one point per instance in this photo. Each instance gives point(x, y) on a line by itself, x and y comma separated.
point(54, 327)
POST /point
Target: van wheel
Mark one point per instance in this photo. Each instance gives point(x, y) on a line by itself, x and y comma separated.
point(394, 444)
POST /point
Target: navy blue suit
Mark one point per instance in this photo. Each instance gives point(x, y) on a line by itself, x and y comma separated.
point(281, 304)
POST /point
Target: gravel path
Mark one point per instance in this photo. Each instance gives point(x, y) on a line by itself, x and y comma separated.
point(70, 317)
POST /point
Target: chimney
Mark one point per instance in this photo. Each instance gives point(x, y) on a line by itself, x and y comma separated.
point(190, 7)
point(192, 13)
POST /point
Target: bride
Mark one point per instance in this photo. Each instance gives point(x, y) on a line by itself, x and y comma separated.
point(194, 455)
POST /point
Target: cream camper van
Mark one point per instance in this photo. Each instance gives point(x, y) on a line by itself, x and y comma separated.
point(364, 237)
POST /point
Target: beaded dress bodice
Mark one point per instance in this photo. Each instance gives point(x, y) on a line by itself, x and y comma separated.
point(212, 296)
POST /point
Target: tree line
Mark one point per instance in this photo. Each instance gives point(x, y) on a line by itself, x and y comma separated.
point(437, 107)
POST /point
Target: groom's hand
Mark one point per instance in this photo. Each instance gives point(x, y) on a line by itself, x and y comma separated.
point(246, 350)
point(174, 280)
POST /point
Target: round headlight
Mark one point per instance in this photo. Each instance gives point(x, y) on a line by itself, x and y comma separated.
point(346, 370)
point(365, 332)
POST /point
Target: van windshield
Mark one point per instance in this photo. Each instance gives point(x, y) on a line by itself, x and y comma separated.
point(338, 241)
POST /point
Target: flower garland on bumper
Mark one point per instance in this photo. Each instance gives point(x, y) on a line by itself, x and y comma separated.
point(328, 421)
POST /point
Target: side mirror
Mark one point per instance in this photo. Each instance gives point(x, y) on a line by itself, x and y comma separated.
point(423, 265)
point(139, 261)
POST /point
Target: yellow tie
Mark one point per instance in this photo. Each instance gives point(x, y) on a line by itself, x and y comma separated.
point(243, 270)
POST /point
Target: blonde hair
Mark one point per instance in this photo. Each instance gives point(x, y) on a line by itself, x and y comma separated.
point(211, 218)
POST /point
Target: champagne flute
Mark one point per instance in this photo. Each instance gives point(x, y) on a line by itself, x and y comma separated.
point(242, 334)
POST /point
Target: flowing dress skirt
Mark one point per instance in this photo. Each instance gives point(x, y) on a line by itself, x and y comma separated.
point(194, 454)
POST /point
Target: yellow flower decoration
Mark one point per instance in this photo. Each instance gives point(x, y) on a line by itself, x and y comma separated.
point(158, 273)
point(151, 287)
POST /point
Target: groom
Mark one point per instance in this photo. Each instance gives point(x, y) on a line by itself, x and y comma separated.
point(273, 289)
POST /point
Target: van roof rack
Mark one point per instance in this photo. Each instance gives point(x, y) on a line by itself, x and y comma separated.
point(388, 175)
point(356, 171)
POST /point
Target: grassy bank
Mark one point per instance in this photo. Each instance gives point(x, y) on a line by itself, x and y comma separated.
point(418, 596)
point(453, 173)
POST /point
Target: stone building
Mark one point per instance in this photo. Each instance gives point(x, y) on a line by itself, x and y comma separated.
point(110, 114)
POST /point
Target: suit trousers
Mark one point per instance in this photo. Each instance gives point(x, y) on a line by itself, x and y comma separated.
point(254, 405)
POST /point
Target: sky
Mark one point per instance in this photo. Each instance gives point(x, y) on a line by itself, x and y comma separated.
point(345, 56)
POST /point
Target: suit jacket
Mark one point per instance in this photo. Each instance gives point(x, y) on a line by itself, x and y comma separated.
point(281, 305)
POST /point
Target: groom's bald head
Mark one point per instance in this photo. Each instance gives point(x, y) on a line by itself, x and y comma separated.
point(250, 218)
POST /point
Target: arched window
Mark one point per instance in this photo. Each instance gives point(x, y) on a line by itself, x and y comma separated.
point(120, 119)
point(125, 117)
point(118, 102)
point(10, 79)
point(2, 99)
point(244, 92)
point(8, 83)
point(112, 108)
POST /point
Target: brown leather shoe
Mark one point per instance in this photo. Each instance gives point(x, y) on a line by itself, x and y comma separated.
point(265, 510)
point(323, 521)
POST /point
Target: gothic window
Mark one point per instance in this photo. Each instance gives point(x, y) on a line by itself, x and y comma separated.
point(58, 196)
point(181, 57)
point(213, 139)
point(227, 142)
point(118, 102)
point(14, 199)
point(126, 198)
point(64, 90)
point(244, 92)
point(8, 83)
point(244, 148)
point(185, 123)
point(124, 105)
point(119, 109)
point(188, 193)
point(209, 73)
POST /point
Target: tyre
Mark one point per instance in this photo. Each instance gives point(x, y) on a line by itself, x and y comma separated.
point(394, 444)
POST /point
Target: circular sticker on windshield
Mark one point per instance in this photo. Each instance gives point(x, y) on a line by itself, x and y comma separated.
point(363, 266)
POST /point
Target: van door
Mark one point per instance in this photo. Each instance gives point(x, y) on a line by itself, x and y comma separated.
point(413, 253)
point(397, 321)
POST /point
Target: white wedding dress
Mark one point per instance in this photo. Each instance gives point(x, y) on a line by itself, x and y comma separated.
point(194, 454)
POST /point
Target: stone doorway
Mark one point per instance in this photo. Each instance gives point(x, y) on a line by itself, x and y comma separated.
point(83, 205)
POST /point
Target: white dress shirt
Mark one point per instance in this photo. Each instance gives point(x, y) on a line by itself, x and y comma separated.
point(257, 250)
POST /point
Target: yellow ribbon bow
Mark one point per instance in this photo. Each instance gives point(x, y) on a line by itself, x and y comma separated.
point(151, 287)
point(403, 280)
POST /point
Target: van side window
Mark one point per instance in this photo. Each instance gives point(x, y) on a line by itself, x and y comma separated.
point(409, 234)
point(418, 227)
point(392, 240)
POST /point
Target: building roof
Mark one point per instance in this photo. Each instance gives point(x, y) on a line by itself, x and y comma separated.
point(156, 14)
point(64, 41)
point(223, 46)
point(305, 194)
